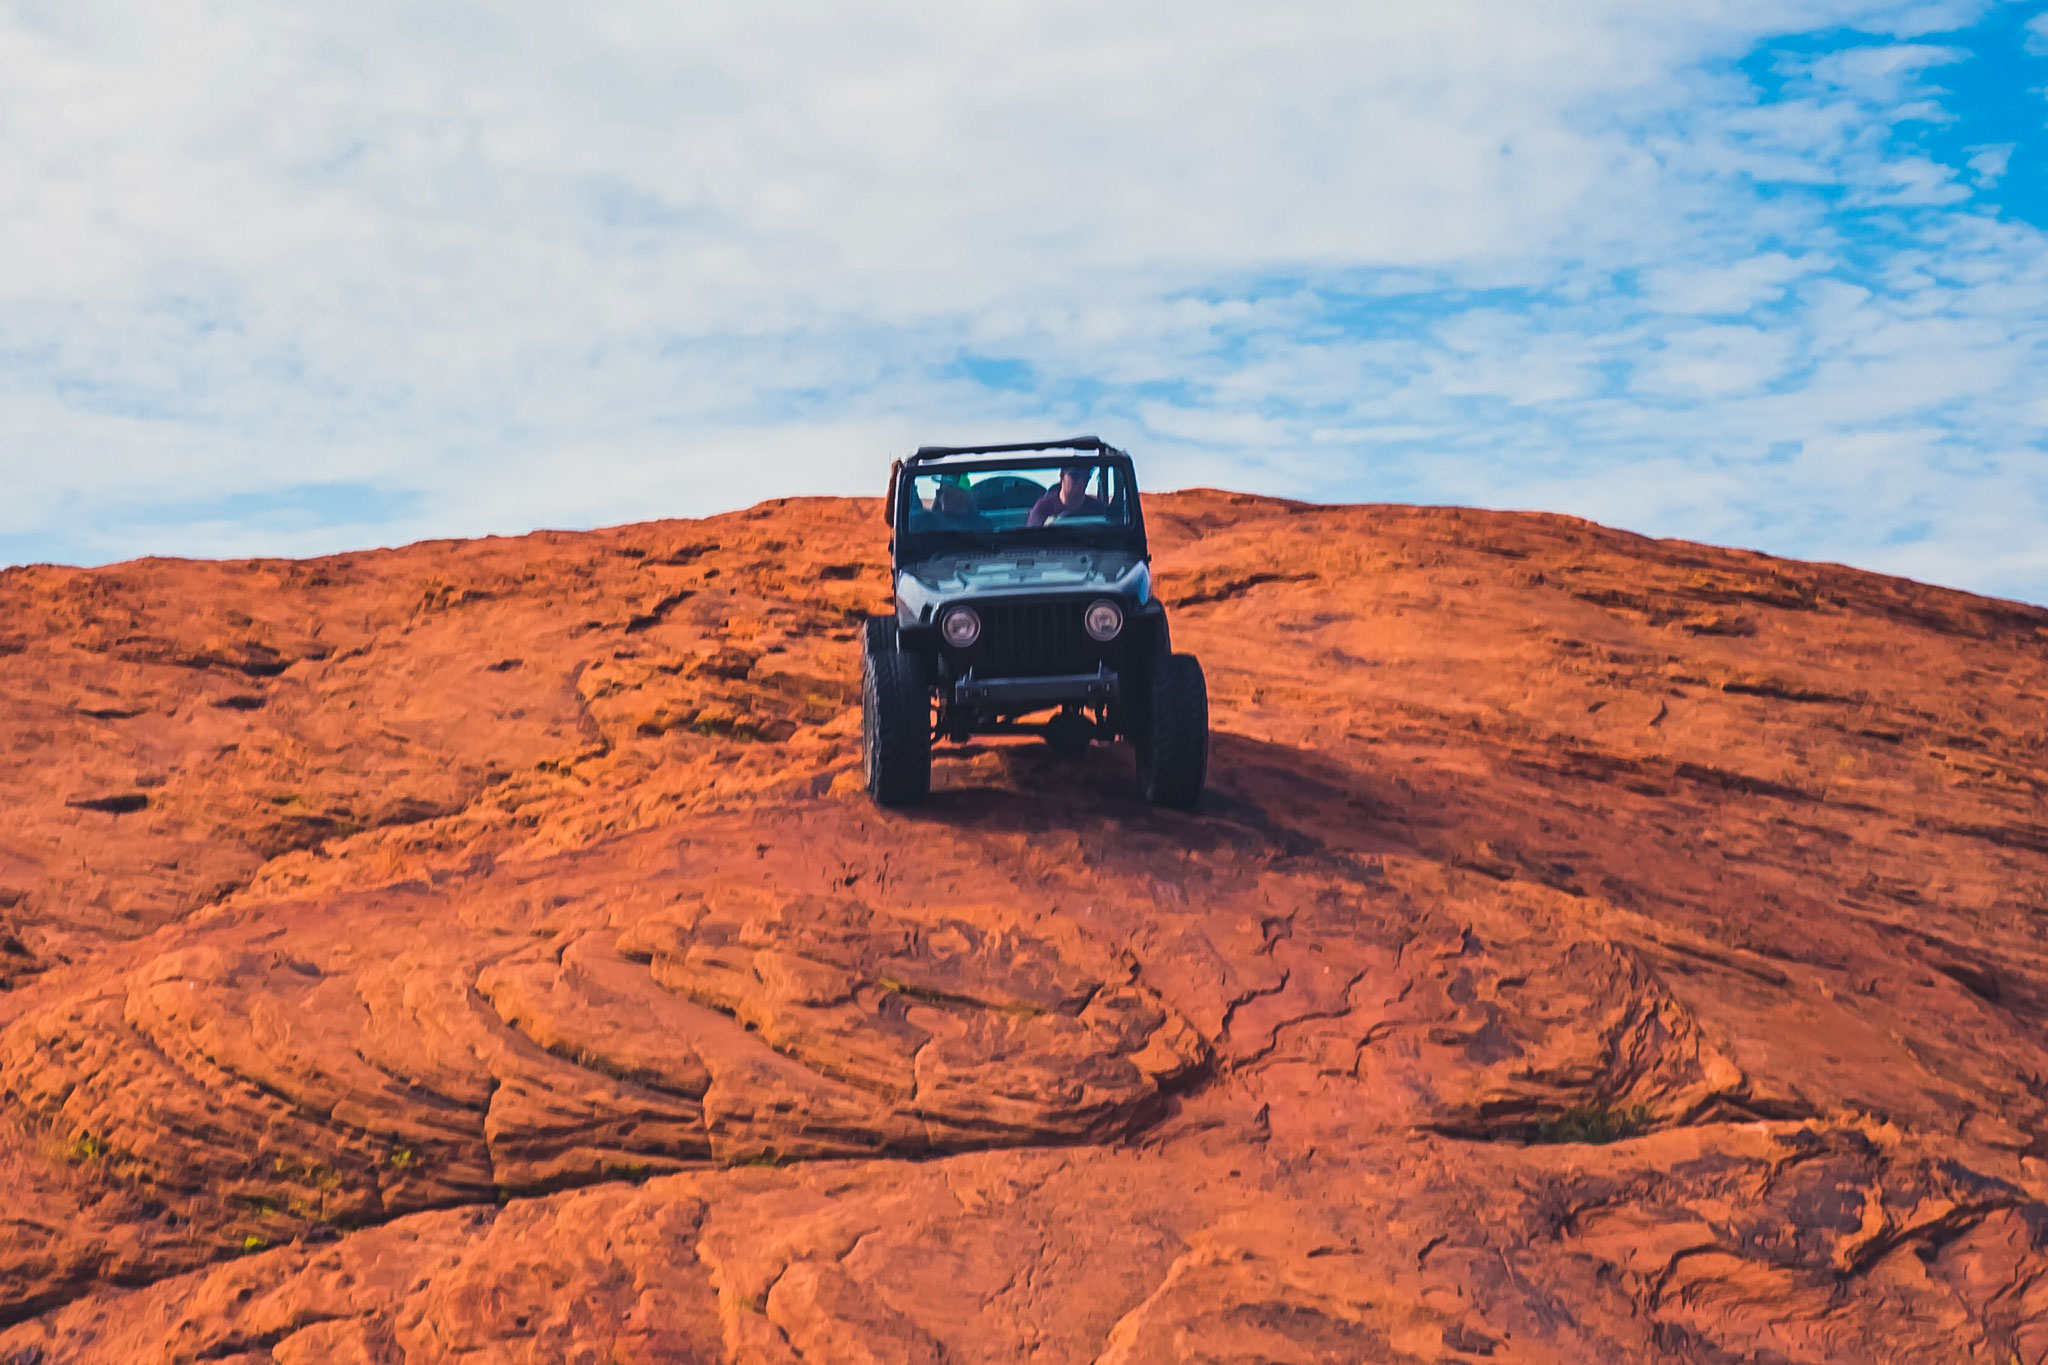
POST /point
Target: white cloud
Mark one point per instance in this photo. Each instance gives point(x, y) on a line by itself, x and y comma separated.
point(527, 266)
point(1889, 74)
point(1733, 288)
point(1988, 164)
point(1715, 362)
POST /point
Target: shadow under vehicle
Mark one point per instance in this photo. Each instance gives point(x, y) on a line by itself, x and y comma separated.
point(1023, 587)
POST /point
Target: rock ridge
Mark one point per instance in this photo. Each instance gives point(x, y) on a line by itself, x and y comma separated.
point(1592, 948)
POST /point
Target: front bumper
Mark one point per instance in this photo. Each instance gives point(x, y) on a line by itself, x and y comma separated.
point(1099, 686)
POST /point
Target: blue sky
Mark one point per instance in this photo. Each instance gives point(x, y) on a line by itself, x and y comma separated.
point(284, 280)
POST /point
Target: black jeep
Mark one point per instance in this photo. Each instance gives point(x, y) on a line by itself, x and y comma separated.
point(1023, 586)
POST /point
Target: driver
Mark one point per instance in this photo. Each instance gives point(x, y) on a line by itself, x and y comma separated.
point(1070, 498)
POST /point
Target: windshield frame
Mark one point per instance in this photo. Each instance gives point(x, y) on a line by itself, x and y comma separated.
point(915, 546)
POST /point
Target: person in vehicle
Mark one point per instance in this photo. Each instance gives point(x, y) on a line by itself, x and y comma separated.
point(1070, 498)
point(953, 498)
point(952, 509)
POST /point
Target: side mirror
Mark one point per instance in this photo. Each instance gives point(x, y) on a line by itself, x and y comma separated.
point(889, 504)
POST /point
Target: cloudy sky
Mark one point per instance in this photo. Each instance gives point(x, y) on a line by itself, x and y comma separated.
point(296, 278)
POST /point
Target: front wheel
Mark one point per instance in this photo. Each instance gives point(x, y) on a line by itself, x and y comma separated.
point(1173, 732)
point(895, 720)
point(877, 632)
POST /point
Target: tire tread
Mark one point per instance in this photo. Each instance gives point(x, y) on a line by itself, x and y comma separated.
point(896, 738)
point(1173, 753)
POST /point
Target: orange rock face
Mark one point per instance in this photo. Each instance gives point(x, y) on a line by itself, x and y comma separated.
point(1590, 949)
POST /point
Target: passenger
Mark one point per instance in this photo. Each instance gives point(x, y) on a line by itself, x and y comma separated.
point(1070, 499)
point(952, 498)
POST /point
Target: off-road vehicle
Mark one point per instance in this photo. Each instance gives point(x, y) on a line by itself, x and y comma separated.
point(1023, 586)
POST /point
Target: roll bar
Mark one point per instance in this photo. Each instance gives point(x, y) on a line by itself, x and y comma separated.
point(1070, 443)
point(1094, 443)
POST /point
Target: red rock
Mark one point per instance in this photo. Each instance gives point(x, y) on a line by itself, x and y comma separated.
point(1591, 948)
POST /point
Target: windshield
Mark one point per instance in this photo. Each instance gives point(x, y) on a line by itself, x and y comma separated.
point(1022, 497)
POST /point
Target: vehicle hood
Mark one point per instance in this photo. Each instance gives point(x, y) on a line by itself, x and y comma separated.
point(1042, 570)
point(946, 578)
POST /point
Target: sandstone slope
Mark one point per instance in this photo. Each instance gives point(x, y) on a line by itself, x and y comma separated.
point(1591, 949)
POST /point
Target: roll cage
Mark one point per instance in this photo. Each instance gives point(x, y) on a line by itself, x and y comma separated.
point(909, 547)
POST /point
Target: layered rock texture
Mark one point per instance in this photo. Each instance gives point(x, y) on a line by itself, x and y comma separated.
point(1590, 949)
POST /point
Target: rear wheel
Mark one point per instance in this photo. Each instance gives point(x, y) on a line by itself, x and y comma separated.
point(1173, 732)
point(896, 719)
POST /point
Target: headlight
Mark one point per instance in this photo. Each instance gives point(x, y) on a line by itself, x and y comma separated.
point(1105, 620)
point(961, 626)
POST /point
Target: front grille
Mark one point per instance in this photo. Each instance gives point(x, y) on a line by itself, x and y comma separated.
point(1033, 639)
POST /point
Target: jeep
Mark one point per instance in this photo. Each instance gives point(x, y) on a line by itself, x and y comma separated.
point(1023, 587)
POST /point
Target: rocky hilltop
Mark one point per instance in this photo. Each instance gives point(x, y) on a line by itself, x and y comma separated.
point(1591, 949)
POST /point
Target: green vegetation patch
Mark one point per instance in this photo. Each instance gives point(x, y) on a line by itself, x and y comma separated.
point(84, 1147)
point(1591, 1123)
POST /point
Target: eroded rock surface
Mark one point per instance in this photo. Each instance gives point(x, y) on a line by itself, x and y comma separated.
point(1591, 949)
